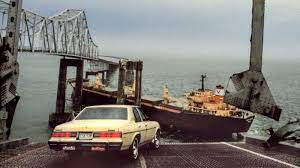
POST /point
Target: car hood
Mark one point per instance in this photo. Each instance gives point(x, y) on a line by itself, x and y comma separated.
point(93, 125)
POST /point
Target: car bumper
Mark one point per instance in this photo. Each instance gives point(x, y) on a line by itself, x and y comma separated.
point(85, 146)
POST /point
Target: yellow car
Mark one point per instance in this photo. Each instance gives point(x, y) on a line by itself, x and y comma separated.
point(106, 128)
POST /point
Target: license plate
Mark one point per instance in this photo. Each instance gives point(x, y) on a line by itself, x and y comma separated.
point(85, 136)
point(69, 148)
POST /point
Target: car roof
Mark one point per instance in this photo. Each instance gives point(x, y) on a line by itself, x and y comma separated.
point(112, 105)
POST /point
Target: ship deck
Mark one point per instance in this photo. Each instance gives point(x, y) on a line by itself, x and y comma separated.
point(215, 154)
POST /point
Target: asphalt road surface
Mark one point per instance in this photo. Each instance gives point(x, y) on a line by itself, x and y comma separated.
point(168, 156)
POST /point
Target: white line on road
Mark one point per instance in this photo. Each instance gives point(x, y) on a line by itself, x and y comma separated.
point(261, 155)
point(198, 143)
point(142, 161)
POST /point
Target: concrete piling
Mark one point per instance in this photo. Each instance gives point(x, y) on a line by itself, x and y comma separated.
point(121, 83)
point(61, 88)
point(138, 85)
point(78, 86)
point(125, 70)
point(60, 116)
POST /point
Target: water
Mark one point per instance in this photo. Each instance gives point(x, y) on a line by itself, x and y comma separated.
point(39, 73)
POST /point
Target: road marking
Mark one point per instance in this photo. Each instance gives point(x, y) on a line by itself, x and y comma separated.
point(197, 143)
point(261, 155)
point(142, 161)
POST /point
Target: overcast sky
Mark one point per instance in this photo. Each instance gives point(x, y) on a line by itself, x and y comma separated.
point(183, 28)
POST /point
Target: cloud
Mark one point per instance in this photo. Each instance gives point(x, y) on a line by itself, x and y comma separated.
point(187, 28)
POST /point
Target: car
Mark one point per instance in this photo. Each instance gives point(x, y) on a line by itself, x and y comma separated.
point(106, 128)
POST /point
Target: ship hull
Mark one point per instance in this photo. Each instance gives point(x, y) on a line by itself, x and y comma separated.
point(173, 118)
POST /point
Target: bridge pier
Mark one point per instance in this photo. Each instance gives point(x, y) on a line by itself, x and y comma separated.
point(138, 83)
point(60, 116)
point(126, 69)
point(79, 84)
point(103, 77)
point(121, 83)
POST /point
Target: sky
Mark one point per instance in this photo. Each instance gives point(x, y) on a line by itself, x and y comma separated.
point(183, 28)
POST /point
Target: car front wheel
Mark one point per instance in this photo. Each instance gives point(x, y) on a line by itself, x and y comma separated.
point(134, 149)
point(156, 141)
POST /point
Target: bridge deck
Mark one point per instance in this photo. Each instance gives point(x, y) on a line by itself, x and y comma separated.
point(85, 58)
point(169, 155)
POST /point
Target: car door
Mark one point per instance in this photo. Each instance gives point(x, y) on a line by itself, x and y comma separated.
point(140, 125)
point(149, 125)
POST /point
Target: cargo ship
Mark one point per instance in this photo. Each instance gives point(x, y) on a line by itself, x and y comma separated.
point(200, 113)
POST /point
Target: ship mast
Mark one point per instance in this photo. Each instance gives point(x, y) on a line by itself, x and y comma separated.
point(202, 82)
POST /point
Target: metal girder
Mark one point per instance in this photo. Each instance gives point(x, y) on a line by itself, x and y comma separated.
point(287, 132)
point(66, 32)
point(252, 91)
point(9, 67)
point(253, 94)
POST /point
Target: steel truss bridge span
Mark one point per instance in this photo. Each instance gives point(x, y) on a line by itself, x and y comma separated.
point(66, 33)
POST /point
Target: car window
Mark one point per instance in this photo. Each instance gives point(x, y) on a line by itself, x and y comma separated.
point(136, 115)
point(103, 113)
point(142, 113)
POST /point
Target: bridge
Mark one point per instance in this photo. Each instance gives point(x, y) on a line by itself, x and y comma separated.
point(66, 35)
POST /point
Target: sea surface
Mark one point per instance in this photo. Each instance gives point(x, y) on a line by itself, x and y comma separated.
point(39, 74)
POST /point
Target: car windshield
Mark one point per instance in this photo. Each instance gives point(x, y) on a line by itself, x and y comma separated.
point(113, 113)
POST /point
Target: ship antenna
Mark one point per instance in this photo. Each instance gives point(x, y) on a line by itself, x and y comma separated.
point(202, 81)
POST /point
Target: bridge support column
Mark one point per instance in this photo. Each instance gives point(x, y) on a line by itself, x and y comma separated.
point(125, 72)
point(60, 116)
point(79, 85)
point(138, 83)
point(121, 83)
point(61, 88)
point(103, 73)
